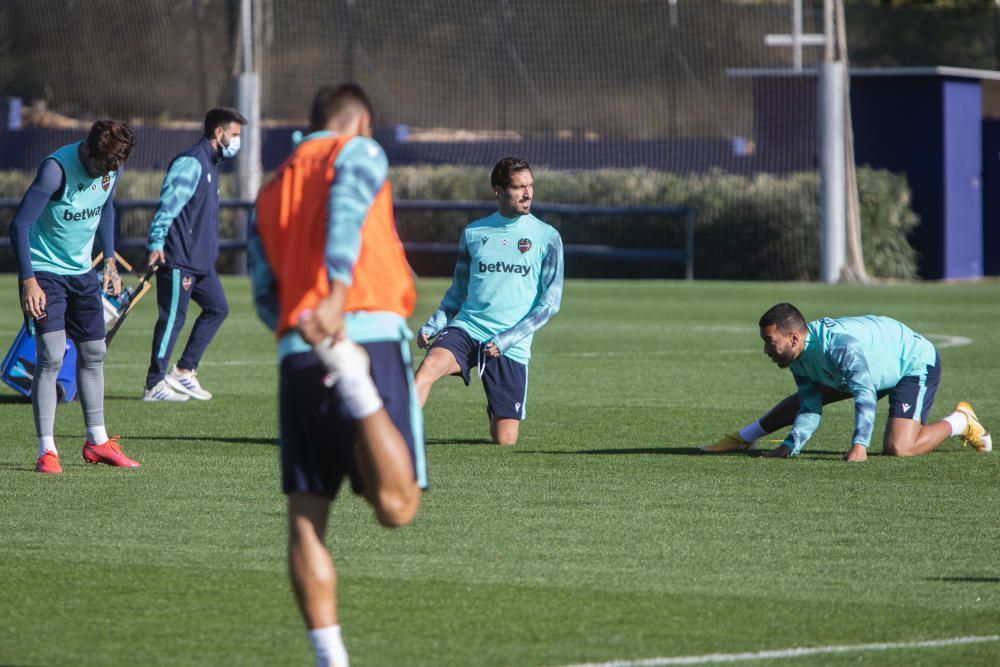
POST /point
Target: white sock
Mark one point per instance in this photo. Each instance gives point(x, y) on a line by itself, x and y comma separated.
point(329, 647)
point(959, 422)
point(46, 443)
point(97, 434)
point(752, 432)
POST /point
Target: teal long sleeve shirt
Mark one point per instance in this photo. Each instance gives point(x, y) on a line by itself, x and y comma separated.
point(508, 283)
point(863, 356)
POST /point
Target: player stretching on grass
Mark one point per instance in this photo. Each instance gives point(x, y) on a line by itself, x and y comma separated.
point(184, 238)
point(508, 283)
point(329, 275)
point(53, 237)
point(861, 357)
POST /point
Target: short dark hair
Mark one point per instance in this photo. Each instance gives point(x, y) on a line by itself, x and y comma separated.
point(110, 142)
point(220, 117)
point(332, 101)
point(785, 317)
point(505, 169)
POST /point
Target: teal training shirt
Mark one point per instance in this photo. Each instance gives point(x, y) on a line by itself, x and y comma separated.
point(508, 283)
point(857, 355)
point(62, 239)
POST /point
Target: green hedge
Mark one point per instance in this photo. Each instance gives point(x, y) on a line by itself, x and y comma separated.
point(760, 227)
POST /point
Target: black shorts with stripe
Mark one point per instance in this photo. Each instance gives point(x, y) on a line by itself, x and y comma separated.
point(317, 437)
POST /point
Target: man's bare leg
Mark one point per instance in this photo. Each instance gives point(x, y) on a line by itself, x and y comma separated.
point(387, 470)
point(309, 564)
point(908, 437)
point(504, 431)
point(438, 363)
point(314, 579)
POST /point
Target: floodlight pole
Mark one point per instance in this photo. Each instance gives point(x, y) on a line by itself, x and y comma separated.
point(248, 164)
point(833, 186)
point(832, 132)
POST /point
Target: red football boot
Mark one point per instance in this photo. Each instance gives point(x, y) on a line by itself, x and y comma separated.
point(109, 453)
point(48, 462)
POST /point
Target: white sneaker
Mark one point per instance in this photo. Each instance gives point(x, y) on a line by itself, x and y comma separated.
point(346, 358)
point(163, 392)
point(187, 383)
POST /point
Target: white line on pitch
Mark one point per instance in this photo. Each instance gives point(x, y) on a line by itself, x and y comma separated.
point(945, 340)
point(712, 658)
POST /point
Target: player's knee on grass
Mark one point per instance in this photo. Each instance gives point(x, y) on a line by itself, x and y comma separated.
point(898, 446)
point(900, 437)
point(896, 449)
point(505, 431)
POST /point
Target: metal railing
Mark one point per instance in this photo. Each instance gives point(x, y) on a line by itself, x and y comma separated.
point(573, 211)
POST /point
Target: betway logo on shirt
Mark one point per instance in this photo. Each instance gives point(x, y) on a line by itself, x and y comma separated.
point(504, 267)
point(85, 214)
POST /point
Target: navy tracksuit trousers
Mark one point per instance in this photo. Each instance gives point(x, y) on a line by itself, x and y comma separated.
point(175, 288)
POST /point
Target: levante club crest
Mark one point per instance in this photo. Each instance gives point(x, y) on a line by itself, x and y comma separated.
point(106, 182)
point(524, 245)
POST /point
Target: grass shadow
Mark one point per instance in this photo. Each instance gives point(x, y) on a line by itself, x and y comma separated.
point(669, 451)
point(675, 451)
point(17, 467)
point(458, 441)
point(810, 453)
point(210, 438)
point(971, 580)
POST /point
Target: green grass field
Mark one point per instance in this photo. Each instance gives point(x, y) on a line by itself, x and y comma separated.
point(602, 536)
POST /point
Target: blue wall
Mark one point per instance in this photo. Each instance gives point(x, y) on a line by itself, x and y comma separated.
point(897, 126)
point(963, 166)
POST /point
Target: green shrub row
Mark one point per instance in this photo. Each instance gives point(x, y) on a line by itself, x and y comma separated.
point(757, 227)
point(760, 227)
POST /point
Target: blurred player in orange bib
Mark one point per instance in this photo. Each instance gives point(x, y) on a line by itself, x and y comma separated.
point(330, 277)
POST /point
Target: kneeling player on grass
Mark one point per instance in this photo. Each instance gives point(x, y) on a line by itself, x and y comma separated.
point(52, 233)
point(861, 357)
point(508, 283)
point(331, 279)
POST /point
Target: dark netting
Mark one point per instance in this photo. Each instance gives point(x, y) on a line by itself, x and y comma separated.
point(683, 98)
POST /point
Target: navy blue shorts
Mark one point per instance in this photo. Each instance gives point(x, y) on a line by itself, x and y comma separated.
point(72, 303)
point(505, 381)
point(914, 395)
point(317, 438)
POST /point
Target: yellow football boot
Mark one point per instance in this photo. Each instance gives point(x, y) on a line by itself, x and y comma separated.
point(975, 433)
point(731, 442)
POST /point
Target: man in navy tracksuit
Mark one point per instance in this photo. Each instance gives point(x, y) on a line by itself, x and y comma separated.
point(184, 241)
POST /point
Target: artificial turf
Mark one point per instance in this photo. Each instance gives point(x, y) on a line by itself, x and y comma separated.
point(603, 535)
